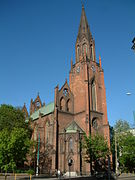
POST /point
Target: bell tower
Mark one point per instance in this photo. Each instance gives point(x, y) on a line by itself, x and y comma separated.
point(84, 57)
point(89, 98)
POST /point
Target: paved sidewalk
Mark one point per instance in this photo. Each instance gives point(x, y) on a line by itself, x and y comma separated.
point(126, 176)
point(13, 177)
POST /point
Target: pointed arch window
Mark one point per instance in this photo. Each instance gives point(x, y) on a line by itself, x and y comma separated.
point(92, 53)
point(93, 94)
point(62, 104)
point(68, 106)
point(38, 104)
point(71, 145)
point(35, 133)
point(84, 49)
point(47, 132)
point(61, 146)
point(95, 123)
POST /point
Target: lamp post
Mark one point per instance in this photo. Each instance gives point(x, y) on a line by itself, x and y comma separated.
point(116, 155)
point(57, 139)
point(130, 94)
point(80, 151)
point(64, 150)
point(37, 168)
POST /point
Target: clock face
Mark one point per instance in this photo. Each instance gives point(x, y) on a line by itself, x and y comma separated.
point(78, 69)
point(93, 68)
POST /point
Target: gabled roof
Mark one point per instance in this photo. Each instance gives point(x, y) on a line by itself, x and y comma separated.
point(73, 127)
point(65, 85)
point(84, 29)
point(43, 110)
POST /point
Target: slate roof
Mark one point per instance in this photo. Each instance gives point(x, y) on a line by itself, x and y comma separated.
point(49, 108)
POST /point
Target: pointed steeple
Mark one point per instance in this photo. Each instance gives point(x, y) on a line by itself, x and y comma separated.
point(24, 110)
point(84, 29)
point(85, 45)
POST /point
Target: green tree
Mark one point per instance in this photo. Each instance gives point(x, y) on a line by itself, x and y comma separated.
point(126, 145)
point(11, 117)
point(15, 138)
point(96, 146)
point(121, 126)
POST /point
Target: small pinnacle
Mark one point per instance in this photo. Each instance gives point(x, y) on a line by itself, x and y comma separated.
point(57, 86)
point(100, 60)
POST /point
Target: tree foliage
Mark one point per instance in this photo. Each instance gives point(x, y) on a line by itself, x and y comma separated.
point(97, 147)
point(125, 142)
point(121, 126)
point(127, 151)
point(14, 138)
point(11, 117)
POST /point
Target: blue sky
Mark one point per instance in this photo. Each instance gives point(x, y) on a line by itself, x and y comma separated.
point(37, 41)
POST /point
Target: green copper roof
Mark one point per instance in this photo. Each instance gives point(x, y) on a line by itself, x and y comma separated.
point(73, 127)
point(49, 108)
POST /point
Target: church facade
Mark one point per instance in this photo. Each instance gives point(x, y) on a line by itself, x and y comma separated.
point(79, 107)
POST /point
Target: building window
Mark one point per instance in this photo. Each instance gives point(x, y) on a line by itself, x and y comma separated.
point(70, 145)
point(68, 105)
point(92, 53)
point(35, 133)
point(94, 123)
point(61, 146)
point(84, 49)
point(62, 103)
point(47, 132)
point(65, 92)
point(38, 104)
point(93, 94)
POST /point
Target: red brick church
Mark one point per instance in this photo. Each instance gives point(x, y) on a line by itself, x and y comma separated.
point(77, 106)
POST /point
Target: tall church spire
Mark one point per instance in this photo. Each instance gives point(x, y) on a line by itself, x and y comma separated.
point(84, 29)
point(84, 42)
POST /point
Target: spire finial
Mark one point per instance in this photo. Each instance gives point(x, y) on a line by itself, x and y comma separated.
point(82, 4)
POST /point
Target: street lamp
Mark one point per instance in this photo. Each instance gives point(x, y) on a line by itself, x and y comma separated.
point(128, 93)
point(37, 168)
point(80, 151)
point(116, 155)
